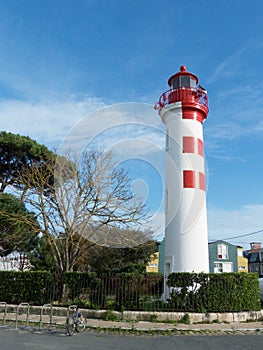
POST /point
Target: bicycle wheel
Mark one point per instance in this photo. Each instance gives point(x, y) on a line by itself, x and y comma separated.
point(81, 323)
point(70, 325)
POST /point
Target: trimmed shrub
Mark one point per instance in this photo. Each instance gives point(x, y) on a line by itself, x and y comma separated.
point(28, 286)
point(224, 292)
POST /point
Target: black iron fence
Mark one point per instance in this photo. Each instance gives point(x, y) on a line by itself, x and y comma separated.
point(104, 291)
point(188, 292)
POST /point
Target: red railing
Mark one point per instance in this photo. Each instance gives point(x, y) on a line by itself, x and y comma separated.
point(191, 95)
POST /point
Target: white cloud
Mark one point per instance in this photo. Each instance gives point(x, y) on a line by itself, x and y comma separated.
point(47, 122)
point(128, 129)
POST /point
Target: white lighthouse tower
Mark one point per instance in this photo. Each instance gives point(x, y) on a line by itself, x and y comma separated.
point(183, 109)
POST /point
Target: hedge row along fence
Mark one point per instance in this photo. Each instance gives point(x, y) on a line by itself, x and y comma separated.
point(226, 292)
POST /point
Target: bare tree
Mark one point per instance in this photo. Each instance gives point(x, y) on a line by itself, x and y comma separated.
point(78, 206)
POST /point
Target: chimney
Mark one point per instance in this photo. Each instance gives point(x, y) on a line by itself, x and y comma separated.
point(255, 245)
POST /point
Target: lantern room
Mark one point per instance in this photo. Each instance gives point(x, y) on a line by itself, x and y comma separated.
point(183, 79)
point(184, 88)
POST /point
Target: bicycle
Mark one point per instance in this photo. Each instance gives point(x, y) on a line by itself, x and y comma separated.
point(75, 323)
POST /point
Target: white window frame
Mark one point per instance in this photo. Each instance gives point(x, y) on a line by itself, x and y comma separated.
point(218, 267)
point(222, 251)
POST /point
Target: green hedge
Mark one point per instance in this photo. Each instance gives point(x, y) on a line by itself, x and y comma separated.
point(29, 286)
point(84, 284)
point(224, 292)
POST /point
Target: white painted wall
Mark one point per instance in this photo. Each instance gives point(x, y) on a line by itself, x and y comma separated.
point(186, 239)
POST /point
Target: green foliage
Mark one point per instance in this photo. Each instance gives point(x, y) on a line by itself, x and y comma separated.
point(28, 286)
point(18, 227)
point(128, 260)
point(154, 318)
point(185, 319)
point(41, 257)
point(16, 153)
point(128, 291)
point(226, 292)
point(110, 316)
point(84, 285)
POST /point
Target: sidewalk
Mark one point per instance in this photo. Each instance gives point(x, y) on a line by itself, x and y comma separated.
point(166, 328)
point(56, 318)
point(143, 327)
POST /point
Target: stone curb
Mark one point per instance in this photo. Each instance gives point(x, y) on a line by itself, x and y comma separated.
point(134, 321)
point(151, 316)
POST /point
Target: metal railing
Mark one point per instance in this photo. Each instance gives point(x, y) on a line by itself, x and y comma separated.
point(45, 307)
point(196, 95)
point(22, 316)
point(20, 306)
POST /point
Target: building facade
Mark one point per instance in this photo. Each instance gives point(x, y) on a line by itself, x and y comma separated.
point(226, 257)
point(152, 265)
point(242, 262)
point(223, 257)
point(255, 258)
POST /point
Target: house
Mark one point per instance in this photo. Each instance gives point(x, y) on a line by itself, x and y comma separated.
point(226, 257)
point(242, 262)
point(255, 258)
point(152, 265)
point(15, 263)
point(223, 257)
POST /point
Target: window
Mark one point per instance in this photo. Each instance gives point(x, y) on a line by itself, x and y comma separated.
point(192, 83)
point(218, 267)
point(152, 265)
point(239, 252)
point(185, 82)
point(189, 179)
point(223, 267)
point(176, 84)
point(241, 268)
point(222, 251)
point(227, 267)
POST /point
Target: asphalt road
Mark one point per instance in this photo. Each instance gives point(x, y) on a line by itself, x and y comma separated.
point(25, 340)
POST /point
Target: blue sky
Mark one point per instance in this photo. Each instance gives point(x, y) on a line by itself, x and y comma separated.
point(62, 60)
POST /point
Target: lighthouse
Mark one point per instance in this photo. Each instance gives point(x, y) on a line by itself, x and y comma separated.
point(183, 109)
